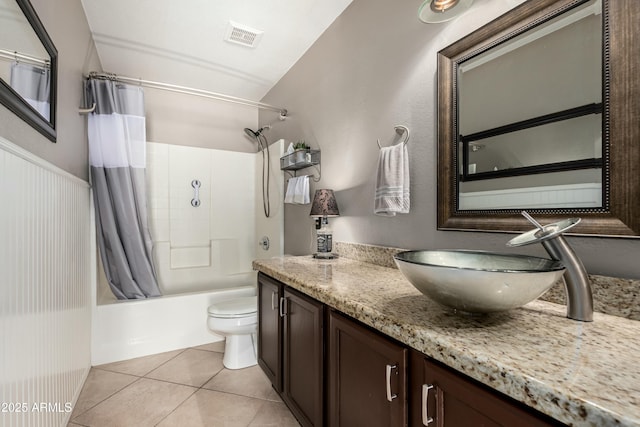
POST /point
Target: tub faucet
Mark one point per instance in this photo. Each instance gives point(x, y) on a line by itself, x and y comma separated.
point(576, 281)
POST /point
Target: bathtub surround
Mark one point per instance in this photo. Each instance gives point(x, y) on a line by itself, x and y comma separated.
point(202, 255)
point(271, 228)
point(46, 287)
point(201, 248)
point(117, 155)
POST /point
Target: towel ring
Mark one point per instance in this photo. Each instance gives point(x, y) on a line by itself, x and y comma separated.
point(400, 130)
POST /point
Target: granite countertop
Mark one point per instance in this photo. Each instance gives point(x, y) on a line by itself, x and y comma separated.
point(585, 374)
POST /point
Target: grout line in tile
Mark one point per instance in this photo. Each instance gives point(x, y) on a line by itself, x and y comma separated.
point(106, 398)
point(212, 377)
point(164, 363)
point(196, 388)
point(243, 395)
point(173, 382)
point(257, 412)
point(147, 373)
point(189, 385)
point(202, 349)
point(199, 349)
point(115, 372)
point(181, 403)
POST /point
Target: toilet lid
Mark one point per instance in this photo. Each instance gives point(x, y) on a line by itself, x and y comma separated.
point(235, 307)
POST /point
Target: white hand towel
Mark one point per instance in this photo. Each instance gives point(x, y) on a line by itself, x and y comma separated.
point(298, 191)
point(305, 190)
point(291, 185)
point(392, 183)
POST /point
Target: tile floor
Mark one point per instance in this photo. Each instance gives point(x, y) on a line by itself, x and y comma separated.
point(188, 387)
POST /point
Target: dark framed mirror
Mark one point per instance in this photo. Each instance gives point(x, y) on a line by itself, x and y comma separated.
point(539, 110)
point(28, 67)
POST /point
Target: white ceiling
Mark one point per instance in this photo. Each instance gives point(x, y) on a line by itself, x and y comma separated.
point(181, 42)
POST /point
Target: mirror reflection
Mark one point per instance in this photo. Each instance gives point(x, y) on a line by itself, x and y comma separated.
point(27, 66)
point(530, 117)
point(605, 109)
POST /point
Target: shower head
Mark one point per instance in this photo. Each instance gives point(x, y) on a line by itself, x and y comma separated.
point(251, 133)
point(255, 134)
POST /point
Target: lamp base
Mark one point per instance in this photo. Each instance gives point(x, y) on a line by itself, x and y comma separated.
point(323, 255)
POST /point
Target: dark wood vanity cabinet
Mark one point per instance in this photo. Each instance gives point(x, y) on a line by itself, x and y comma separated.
point(441, 397)
point(367, 376)
point(371, 380)
point(302, 357)
point(291, 348)
point(270, 329)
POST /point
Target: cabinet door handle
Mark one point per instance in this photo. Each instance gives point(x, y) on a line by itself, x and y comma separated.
point(283, 306)
point(274, 300)
point(426, 419)
point(390, 396)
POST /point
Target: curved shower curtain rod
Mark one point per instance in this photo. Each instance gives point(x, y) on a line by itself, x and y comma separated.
point(184, 90)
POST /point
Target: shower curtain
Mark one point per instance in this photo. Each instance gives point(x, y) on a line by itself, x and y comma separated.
point(33, 84)
point(117, 156)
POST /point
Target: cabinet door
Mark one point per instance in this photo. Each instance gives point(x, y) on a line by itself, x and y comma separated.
point(270, 329)
point(367, 376)
point(454, 400)
point(303, 357)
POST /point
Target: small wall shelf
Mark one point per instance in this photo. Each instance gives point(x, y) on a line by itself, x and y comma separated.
point(300, 159)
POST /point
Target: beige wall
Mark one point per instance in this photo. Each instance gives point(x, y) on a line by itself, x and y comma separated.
point(375, 67)
point(67, 26)
point(180, 119)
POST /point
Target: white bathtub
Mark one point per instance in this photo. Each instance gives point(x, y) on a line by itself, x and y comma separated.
point(127, 329)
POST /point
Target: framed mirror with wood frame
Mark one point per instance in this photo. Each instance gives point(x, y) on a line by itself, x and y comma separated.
point(619, 212)
point(28, 67)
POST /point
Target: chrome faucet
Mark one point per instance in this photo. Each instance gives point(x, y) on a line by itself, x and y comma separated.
point(576, 281)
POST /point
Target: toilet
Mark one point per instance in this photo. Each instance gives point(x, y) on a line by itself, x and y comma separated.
point(237, 320)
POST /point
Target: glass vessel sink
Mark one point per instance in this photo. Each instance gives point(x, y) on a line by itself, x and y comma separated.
point(479, 281)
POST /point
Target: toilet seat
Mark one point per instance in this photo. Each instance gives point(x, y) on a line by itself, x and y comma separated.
point(234, 308)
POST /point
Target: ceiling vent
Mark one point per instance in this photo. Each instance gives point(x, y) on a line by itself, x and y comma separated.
point(241, 34)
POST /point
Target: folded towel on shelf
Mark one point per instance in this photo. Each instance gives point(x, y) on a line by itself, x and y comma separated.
point(298, 191)
point(392, 183)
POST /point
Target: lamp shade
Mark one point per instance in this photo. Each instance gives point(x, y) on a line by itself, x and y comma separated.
point(324, 204)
